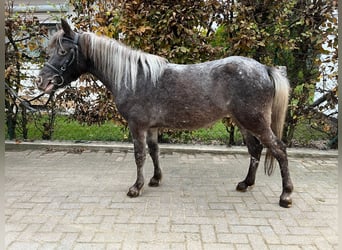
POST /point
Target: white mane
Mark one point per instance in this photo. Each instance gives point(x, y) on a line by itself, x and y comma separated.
point(120, 63)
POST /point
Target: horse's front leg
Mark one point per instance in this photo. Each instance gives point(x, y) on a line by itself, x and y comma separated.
point(139, 138)
point(152, 142)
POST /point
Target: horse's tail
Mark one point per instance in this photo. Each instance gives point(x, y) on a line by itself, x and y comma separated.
point(279, 110)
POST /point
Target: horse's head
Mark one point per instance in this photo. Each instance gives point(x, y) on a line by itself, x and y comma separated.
point(66, 62)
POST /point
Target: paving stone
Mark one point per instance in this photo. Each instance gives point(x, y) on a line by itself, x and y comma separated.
point(60, 200)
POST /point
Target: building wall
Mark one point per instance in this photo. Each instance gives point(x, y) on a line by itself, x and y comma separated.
point(47, 11)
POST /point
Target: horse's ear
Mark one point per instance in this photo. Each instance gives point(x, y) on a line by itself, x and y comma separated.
point(66, 28)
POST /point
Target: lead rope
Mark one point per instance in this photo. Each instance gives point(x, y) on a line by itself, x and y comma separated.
point(27, 103)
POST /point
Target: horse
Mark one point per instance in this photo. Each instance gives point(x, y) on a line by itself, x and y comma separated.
point(152, 93)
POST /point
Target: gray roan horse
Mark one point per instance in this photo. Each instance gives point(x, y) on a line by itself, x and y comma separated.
point(151, 93)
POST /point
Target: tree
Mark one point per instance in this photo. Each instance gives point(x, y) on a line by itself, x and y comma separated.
point(290, 33)
point(287, 33)
point(23, 47)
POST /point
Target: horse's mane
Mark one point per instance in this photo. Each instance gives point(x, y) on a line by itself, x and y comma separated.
point(120, 63)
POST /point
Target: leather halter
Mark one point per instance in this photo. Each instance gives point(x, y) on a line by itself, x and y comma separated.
point(72, 57)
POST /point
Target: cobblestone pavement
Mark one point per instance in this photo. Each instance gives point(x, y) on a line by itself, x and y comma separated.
point(77, 200)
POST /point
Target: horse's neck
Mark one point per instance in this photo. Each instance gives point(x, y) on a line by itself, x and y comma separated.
point(94, 68)
point(103, 78)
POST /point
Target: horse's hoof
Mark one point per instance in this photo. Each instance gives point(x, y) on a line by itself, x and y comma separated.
point(134, 192)
point(242, 186)
point(154, 182)
point(285, 202)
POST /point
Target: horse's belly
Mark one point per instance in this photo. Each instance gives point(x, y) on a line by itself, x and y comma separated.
point(188, 117)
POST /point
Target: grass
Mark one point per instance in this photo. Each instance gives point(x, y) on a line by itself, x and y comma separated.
point(66, 129)
point(304, 134)
point(216, 134)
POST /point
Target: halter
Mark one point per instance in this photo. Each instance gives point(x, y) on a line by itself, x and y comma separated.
point(68, 62)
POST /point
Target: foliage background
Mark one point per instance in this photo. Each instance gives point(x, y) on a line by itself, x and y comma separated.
point(289, 33)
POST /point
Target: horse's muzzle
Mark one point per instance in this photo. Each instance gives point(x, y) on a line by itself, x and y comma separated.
point(45, 86)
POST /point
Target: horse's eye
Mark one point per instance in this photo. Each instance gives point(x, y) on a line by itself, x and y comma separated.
point(62, 52)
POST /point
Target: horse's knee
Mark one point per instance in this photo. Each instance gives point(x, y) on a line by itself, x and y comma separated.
point(140, 158)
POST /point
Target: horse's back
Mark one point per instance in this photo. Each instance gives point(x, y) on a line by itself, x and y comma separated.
point(227, 69)
point(224, 80)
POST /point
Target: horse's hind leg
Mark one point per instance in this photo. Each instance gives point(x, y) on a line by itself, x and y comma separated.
point(254, 149)
point(152, 142)
point(139, 142)
point(278, 151)
point(261, 129)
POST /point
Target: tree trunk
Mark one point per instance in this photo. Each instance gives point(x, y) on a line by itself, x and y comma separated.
point(11, 120)
point(24, 122)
